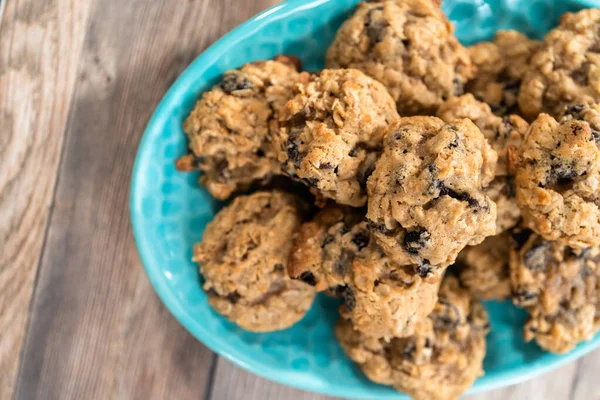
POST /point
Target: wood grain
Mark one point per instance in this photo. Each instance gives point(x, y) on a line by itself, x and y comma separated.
point(98, 330)
point(233, 383)
point(40, 47)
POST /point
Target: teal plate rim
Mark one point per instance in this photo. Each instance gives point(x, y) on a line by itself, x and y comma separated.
point(500, 379)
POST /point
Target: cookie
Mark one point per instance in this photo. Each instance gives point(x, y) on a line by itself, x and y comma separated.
point(243, 257)
point(228, 129)
point(559, 287)
point(483, 269)
point(439, 362)
point(331, 131)
point(426, 194)
point(558, 181)
point(407, 45)
point(566, 69)
point(500, 132)
point(589, 113)
point(501, 65)
point(336, 253)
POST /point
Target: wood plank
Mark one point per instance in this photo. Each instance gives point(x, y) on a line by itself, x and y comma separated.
point(98, 331)
point(586, 385)
point(40, 47)
point(233, 383)
point(556, 384)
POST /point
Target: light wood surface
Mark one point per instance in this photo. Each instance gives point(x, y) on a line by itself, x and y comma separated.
point(40, 47)
point(78, 318)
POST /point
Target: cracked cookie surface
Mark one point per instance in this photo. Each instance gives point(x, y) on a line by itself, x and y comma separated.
point(331, 132)
point(228, 129)
point(501, 65)
point(407, 45)
point(559, 287)
point(439, 362)
point(566, 69)
point(336, 253)
point(558, 181)
point(426, 197)
point(500, 132)
point(243, 257)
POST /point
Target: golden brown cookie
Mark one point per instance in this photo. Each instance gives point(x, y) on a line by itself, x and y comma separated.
point(243, 257)
point(558, 181)
point(483, 269)
point(501, 65)
point(426, 194)
point(566, 69)
point(336, 253)
point(331, 133)
point(500, 132)
point(439, 362)
point(559, 286)
point(228, 129)
point(407, 45)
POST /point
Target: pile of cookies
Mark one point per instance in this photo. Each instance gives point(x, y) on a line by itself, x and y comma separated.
point(429, 190)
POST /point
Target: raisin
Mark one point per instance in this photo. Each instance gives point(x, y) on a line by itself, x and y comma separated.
point(409, 351)
point(293, 153)
point(596, 136)
point(233, 298)
point(364, 176)
point(520, 237)
point(198, 160)
point(222, 168)
point(446, 191)
point(328, 239)
point(325, 166)
point(232, 82)
point(310, 181)
point(522, 297)
point(581, 75)
point(424, 269)
point(458, 86)
point(415, 241)
point(339, 290)
point(575, 110)
point(504, 130)
point(509, 187)
point(535, 258)
point(374, 226)
point(375, 26)
point(260, 153)
point(349, 299)
point(448, 318)
point(298, 120)
point(308, 277)
point(344, 263)
point(562, 176)
point(361, 240)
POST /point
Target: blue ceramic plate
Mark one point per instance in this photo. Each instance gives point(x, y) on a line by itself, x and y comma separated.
point(169, 210)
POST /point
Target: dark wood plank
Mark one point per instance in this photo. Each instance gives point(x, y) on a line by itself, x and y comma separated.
point(40, 47)
point(98, 331)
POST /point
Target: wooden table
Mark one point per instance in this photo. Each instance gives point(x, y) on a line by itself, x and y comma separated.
point(78, 317)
